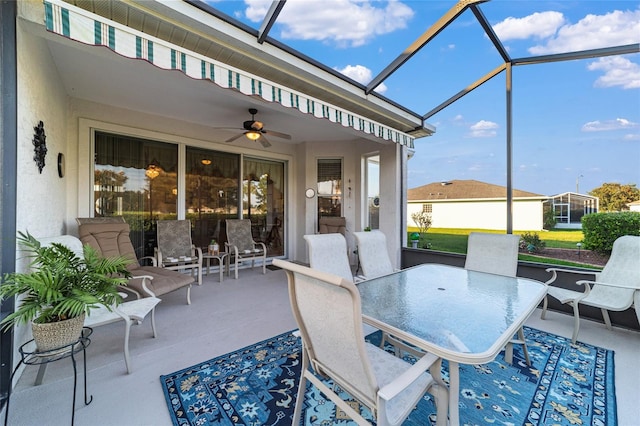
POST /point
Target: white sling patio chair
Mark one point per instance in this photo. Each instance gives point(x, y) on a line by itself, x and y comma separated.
point(333, 347)
point(328, 253)
point(375, 262)
point(240, 244)
point(616, 288)
point(372, 253)
point(496, 254)
point(175, 250)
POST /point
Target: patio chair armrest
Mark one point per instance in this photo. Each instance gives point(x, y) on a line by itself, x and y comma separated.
point(231, 249)
point(555, 271)
point(618, 285)
point(197, 251)
point(261, 244)
point(144, 279)
point(154, 261)
point(392, 389)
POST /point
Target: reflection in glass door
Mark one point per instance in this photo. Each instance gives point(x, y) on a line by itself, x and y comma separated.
point(263, 202)
point(136, 179)
point(211, 186)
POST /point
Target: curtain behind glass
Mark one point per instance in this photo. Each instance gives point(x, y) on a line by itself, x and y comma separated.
point(137, 179)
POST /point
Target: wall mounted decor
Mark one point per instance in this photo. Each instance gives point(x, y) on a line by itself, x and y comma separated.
point(40, 146)
point(61, 164)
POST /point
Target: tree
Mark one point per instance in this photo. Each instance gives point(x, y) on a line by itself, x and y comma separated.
point(614, 197)
point(422, 220)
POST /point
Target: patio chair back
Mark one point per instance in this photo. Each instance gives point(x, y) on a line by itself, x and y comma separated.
point(110, 239)
point(493, 253)
point(622, 268)
point(328, 253)
point(239, 234)
point(174, 238)
point(373, 254)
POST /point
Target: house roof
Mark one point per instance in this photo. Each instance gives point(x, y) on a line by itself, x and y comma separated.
point(464, 189)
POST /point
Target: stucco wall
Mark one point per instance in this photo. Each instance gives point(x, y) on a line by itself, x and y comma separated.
point(41, 198)
point(527, 215)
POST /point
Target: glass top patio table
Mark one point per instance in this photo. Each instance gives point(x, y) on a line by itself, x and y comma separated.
point(459, 315)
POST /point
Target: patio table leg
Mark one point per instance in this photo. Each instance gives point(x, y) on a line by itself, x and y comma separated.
point(454, 393)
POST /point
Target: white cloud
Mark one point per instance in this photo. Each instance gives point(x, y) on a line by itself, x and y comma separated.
point(616, 28)
point(631, 137)
point(344, 22)
point(537, 25)
point(618, 71)
point(362, 75)
point(483, 129)
point(617, 124)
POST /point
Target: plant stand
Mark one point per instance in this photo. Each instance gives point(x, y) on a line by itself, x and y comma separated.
point(45, 357)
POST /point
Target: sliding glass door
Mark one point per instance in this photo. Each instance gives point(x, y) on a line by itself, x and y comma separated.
point(138, 180)
point(263, 187)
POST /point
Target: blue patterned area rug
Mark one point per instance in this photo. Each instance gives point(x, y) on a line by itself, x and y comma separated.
point(257, 385)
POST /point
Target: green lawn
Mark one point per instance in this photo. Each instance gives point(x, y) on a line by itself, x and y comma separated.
point(455, 241)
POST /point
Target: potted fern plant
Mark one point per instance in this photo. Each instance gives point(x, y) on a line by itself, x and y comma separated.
point(60, 289)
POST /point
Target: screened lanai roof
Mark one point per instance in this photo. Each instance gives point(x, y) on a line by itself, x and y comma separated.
point(258, 33)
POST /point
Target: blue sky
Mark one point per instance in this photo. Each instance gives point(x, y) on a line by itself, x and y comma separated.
point(573, 122)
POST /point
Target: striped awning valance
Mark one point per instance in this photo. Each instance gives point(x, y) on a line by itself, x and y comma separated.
point(80, 25)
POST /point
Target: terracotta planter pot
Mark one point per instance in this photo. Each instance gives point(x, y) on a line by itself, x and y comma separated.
point(54, 335)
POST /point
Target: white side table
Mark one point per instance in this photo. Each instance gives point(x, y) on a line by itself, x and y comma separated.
point(220, 257)
point(133, 310)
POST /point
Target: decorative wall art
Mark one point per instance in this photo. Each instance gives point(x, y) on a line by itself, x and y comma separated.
point(40, 146)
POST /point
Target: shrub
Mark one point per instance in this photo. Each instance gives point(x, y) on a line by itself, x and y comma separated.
point(422, 220)
point(602, 229)
point(548, 219)
point(531, 242)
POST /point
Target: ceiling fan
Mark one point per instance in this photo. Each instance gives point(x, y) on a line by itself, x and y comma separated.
point(255, 131)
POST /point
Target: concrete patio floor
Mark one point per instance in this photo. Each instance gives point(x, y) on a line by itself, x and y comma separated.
point(224, 317)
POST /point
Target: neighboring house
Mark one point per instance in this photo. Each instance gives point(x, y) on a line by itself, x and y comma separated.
point(476, 205)
point(569, 207)
point(634, 206)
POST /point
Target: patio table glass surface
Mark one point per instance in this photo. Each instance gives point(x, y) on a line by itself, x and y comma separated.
point(458, 314)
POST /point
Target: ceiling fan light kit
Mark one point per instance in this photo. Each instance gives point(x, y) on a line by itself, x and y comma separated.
point(255, 130)
point(253, 135)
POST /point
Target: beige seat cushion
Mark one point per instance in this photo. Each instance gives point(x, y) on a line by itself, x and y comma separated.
point(112, 239)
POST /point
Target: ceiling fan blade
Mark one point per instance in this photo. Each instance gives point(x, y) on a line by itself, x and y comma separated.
point(277, 134)
point(265, 143)
point(234, 138)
